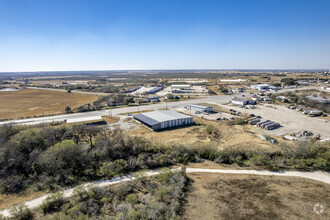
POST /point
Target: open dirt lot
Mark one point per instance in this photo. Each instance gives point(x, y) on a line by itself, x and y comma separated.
point(223, 135)
point(32, 102)
point(229, 196)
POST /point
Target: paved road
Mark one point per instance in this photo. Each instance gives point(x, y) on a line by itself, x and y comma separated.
point(318, 176)
point(170, 105)
point(116, 111)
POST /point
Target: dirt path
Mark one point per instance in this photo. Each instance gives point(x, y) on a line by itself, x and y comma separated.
point(318, 176)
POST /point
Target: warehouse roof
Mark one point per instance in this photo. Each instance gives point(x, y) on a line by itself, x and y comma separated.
point(160, 116)
point(184, 86)
point(93, 118)
point(259, 85)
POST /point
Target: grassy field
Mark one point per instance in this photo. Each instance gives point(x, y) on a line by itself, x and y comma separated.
point(110, 120)
point(229, 196)
point(31, 102)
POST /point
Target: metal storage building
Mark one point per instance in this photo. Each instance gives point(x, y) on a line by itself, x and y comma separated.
point(181, 89)
point(260, 86)
point(201, 108)
point(154, 90)
point(241, 101)
point(158, 120)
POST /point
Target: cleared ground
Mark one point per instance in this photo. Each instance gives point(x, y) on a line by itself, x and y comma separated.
point(12, 199)
point(31, 102)
point(222, 135)
point(228, 196)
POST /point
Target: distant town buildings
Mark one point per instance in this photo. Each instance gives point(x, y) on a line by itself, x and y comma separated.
point(260, 87)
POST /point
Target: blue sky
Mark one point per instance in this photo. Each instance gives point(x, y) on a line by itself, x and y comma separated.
point(163, 34)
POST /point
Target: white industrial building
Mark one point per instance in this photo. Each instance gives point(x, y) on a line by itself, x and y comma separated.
point(158, 120)
point(181, 89)
point(241, 101)
point(201, 108)
point(83, 119)
point(260, 86)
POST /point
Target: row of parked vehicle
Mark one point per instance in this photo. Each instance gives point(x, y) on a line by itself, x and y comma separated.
point(252, 121)
point(200, 112)
point(268, 125)
point(234, 112)
point(310, 112)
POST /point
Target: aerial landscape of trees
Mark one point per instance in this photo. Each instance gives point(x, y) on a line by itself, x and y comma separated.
point(157, 197)
point(48, 158)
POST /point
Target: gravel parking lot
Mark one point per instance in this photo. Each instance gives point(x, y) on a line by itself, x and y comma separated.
point(211, 116)
point(125, 123)
point(291, 120)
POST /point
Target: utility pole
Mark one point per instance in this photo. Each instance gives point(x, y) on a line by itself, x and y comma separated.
point(166, 105)
point(69, 92)
point(110, 114)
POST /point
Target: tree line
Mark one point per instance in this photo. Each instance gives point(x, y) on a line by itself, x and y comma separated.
point(47, 158)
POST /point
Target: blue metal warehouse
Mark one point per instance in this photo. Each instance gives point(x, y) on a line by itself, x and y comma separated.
point(157, 120)
point(154, 90)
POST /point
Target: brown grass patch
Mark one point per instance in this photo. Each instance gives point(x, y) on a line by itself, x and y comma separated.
point(33, 102)
point(12, 199)
point(137, 112)
point(229, 196)
point(110, 120)
point(216, 108)
point(224, 135)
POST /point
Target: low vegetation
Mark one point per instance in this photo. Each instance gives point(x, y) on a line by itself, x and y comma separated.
point(302, 99)
point(159, 197)
point(106, 101)
point(47, 158)
point(231, 196)
point(288, 81)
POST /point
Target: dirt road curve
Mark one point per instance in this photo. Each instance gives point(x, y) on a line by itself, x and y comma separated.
point(318, 176)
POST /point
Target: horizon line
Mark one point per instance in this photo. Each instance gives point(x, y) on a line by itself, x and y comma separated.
point(183, 69)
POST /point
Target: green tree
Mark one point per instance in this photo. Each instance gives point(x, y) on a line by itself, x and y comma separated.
point(52, 203)
point(21, 212)
point(110, 169)
point(288, 81)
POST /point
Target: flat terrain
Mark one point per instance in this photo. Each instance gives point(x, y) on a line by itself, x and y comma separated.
point(32, 102)
point(7, 200)
point(171, 105)
point(222, 135)
point(291, 120)
point(228, 196)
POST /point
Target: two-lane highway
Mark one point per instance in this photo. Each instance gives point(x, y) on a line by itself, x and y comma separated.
point(116, 111)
